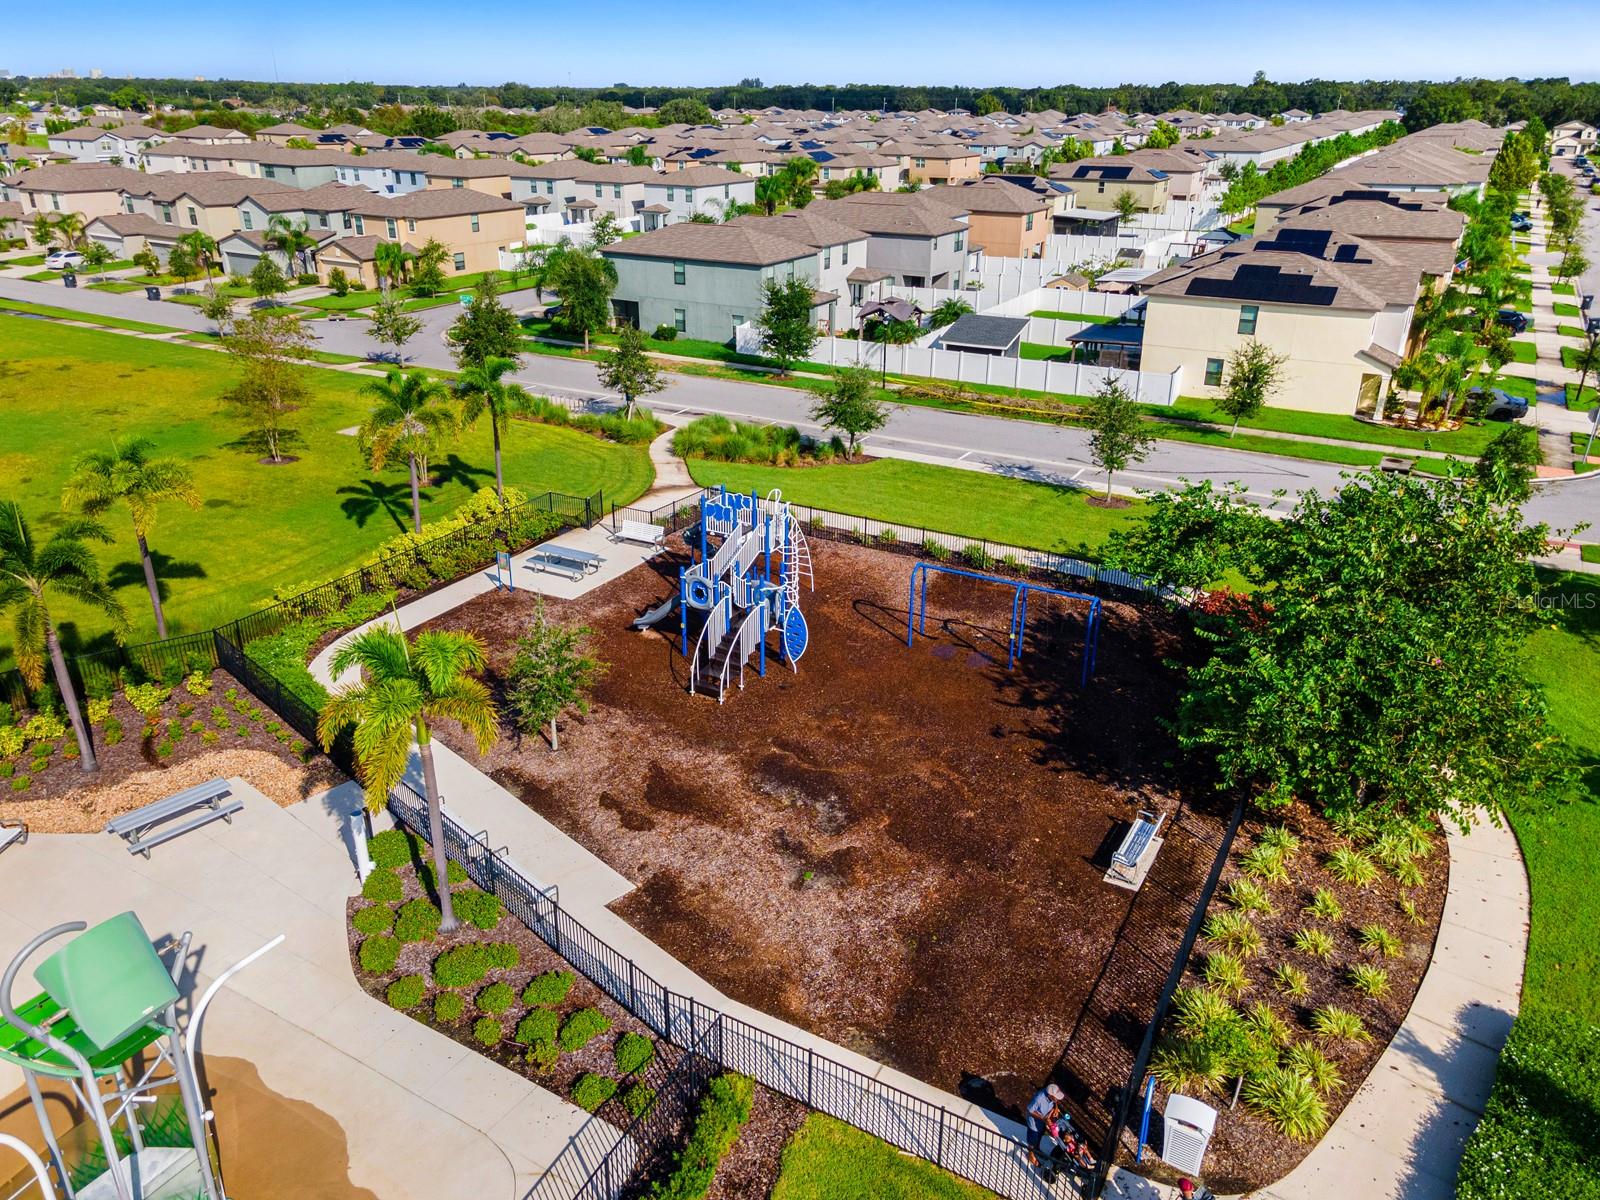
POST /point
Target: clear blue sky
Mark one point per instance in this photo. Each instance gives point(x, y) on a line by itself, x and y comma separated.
point(700, 42)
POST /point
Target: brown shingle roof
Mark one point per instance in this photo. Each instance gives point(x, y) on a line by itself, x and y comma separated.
point(736, 244)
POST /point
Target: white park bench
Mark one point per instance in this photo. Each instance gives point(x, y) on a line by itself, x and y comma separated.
point(12, 832)
point(139, 826)
point(565, 560)
point(642, 532)
point(1135, 844)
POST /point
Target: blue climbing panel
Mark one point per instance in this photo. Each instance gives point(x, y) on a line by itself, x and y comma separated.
point(795, 635)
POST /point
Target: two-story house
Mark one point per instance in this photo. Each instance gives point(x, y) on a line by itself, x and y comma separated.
point(917, 242)
point(673, 196)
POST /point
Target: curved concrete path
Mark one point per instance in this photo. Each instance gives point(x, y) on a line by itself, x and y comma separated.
point(1401, 1136)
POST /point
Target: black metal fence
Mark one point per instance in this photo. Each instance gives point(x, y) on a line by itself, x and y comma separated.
point(417, 568)
point(985, 1152)
point(895, 536)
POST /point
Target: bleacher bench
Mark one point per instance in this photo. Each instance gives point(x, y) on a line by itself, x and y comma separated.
point(12, 832)
point(642, 532)
point(212, 800)
point(1125, 862)
point(565, 560)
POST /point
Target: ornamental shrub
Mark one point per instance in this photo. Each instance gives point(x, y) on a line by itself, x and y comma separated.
point(44, 727)
point(462, 967)
point(496, 998)
point(384, 887)
point(146, 698)
point(581, 1028)
point(448, 1006)
point(638, 1099)
point(417, 921)
point(21, 783)
point(113, 731)
point(12, 740)
point(375, 918)
point(633, 1052)
point(543, 1057)
point(487, 1031)
point(407, 991)
point(97, 710)
point(379, 953)
point(538, 1025)
point(394, 848)
point(197, 683)
point(502, 956)
point(548, 989)
point(454, 871)
point(723, 1113)
point(481, 910)
point(591, 1091)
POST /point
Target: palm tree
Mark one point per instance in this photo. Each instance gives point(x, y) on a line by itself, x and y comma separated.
point(129, 474)
point(410, 418)
point(203, 247)
point(390, 263)
point(485, 389)
point(30, 574)
point(42, 230)
point(771, 191)
point(291, 239)
point(67, 228)
point(405, 689)
point(949, 312)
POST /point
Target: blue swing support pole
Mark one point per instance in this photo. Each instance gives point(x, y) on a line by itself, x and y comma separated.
point(917, 612)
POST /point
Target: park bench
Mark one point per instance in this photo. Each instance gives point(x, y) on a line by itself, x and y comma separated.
point(1125, 862)
point(139, 826)
point(12, 832)
point(565, 560)
point(642, 532)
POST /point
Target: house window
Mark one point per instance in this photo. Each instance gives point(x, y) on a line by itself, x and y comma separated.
point(455, 183)
point(961, 241)
point(1213, 372)
point(680, 320)
point(549, 187)
point(474, 222)
point(919, 162)
point(127, 204)
point(678, 272)
point(322, 220)
point(688, 195)
point(270, 171)
point(166, 213)
point(194, 218)
point(844, 253)
point(246, 219)
point(360, 228)
point(1101, 186)
point(616, 191)
point(394, 230)
point(346, 217)
point(827, 257)
point(411, 224)
point(1030, 221)
point(738, 320)
point(1247, 317)
point(459, 261)
point(599, 190)
point(670, 193)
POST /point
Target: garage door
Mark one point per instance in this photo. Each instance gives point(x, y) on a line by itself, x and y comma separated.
point(240, 264)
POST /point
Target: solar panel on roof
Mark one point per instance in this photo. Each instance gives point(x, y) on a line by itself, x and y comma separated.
point(1259, 281)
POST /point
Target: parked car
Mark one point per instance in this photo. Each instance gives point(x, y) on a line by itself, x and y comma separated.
point(1496, 404)
point(1520, 223)
point(60, 260)
point(1517, 322)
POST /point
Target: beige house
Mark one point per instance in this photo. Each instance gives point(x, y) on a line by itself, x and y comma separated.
point(472, 227)
point(208, 202)
point(1339, 309)
point(88, 189)
point(936, 162)
point(1100, 181)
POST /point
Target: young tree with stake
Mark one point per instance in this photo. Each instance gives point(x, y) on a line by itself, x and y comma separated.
point(392, 325)
point(629, 370)
point(1255, 375)
point(788, 332)
point(270, 343)
point(552, 672)
point(851, 405)
point(1118, 436)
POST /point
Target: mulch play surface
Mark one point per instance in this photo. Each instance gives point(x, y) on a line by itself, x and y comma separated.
point(900, 849)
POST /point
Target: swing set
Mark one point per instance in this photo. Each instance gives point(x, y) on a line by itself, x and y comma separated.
point(917, 611)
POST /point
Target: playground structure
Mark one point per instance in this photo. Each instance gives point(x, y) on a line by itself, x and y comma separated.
point(917, 611)
point(734, 586)
point(106, 1025)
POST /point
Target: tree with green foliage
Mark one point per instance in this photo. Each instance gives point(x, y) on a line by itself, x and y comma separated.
point(788, 329)
point(390, 263)
point(986, 104)
point(293, 240)
point(96, 255)
point(67, 228)
point(405, 688)
point(1126, 205)
point(684, 110)
point(32, 575)
point(130, 474)
point(390, 324)
point(604, 231)
point(1255, 375)
point(948, 312)
point(1586, 363)
point(486, 328)
point(1573, 264)
point(1118, 436)
point(584, 280)
point(1164, 134)
point(266, 280)
point(552, 672)
point(1506, 466)
point(1376, 666)
point(629, 370)
point(269, 344)
point(218, 309)
point(202, 247)
point(410, 417)
point(851, 404)
point(483, 388)
point(427, 271)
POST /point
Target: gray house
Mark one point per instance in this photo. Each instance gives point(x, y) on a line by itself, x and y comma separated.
point(918, 242)
point(705, 280)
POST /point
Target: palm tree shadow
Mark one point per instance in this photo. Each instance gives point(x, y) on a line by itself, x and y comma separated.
point(455, 469)
point(374, 497)
point(130, 573)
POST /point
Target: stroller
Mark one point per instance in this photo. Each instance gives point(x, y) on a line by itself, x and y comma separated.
point(1062, 1148)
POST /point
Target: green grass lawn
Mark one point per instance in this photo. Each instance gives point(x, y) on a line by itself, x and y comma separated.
point(1041, 353)
point(117, 287)
point(1569, 357)
point(829, 1160)
point(1571, 331)
point(260, 527)
point(1244, 227)
point(1468, 440)
point(1563, 289)
point(69, 314)
point(1566, 310)
point(1522, 304)
point(1584, 402)
point(1524, 352)
point(949, 499)
point(349, 302)
point(26, 260)
point(1075, 318)
point(1591, 553)
point(43, 277)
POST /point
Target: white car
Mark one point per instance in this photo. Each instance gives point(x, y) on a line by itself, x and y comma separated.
point(60, 260)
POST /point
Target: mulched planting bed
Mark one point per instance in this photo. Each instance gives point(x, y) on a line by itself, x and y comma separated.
point(534, 959)
point(748, 1171)
point(900, 849)
point(1247, 1152)
point(143, 757)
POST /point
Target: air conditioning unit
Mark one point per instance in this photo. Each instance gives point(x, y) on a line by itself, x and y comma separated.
point(1188, 1127)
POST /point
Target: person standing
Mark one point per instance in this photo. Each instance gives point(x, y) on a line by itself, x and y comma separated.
point(1046, 1103)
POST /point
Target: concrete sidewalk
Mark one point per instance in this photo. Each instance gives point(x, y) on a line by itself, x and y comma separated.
point(391, 1083)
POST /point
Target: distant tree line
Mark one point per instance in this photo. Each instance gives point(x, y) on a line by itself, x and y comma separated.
point(1496, 101)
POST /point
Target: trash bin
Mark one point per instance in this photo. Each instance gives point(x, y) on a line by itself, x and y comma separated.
point(70, 279)
point(152, 293)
